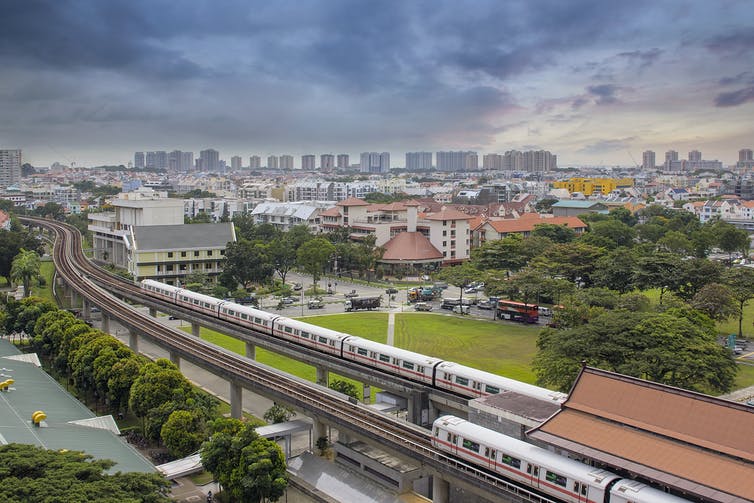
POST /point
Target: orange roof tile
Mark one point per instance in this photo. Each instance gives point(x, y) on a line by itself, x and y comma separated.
point(527, 222)
point(448, 214)
point(410, 247)
point(352, 201)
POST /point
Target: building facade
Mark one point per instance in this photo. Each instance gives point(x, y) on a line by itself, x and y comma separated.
point(309, 162)
point(344, 161)
point(648, 160)
point(286, 162)
point(418, 161)
point(10, 166)
point(452, 162)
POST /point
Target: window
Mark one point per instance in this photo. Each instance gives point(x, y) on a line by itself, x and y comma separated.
point(510, 460)
point(222, 252)
point(444, 233)
point(305, 335)
point(323, 339)
point(408, 365)
point(196, 254)
point(209, 253)
point(470, 445)
point(257, 320)
point(169, 267)
point(362, 351)
point(491, 389)
point(437, 432)
point(244, 316)
point(288, 329)
point(183, 254)
point(170, 254)
point(462, 381)
point(385, 358)
point(445, 243)
point(555, 478)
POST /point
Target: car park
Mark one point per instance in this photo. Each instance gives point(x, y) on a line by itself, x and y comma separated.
point(423, 306)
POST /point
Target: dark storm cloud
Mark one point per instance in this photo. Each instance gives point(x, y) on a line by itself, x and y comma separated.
point(735, 98)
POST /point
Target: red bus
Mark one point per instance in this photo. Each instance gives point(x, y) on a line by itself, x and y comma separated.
point(517, 311)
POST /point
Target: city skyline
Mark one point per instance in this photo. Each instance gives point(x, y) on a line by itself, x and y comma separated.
point(593, 82)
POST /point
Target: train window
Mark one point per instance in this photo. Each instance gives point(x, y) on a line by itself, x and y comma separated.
point(244, 316)
point(491, 389)
point(420, 368)
point(408, 365)
point(455, 439)
point(257, 320)
point(437, 432)
point(304, 334)
point(487, 452)
point(470, 445)
point(510, 460)
point(493, 455)
point(584, 488)
point(288, 329)
point(362, 351)
point(385, 358)
point(462, 380)
point(232, 313)
point(532, 470)
point(477, 385)
point(372, 354)
point(555, 478)
point(449, 437)
point(196, 302)
point(322, 339)
point(447, 376)
point(576, 487)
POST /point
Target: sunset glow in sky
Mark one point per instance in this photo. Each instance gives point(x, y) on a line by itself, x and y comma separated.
point(595, 82)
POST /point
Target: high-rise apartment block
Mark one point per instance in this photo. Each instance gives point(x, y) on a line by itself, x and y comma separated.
point(157, 160)
point(457, 161)
point(418, 161)
point(344, 161)
point(648, 160)
point(235, 163)
point(695, 156)
point(286, 162)
point(326, 162)
point(670, 157)
point(745, 159)
point(139, 162)
point(10, 166)
point(492, 161)
point(180, 162)
point(309, 162)
point(373, 162)
point(255, 162)
point(273, 162)
point(209, 160)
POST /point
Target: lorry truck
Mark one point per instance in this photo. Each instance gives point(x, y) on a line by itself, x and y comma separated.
point(356, 303)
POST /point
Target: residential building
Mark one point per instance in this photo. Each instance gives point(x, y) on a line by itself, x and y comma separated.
point(255, 162)
point(695, 156)
point(539, 161)
point(157, 159)
point(286, 162)
point(283, 216)
point(591, 186)
point(326, 162)
point(309, 162)
point(209, 160)
point(570, 208)
point(670, 157)
point(373, 162)
point(648, 160)
point(10, 166)
point(180, 162)
point(492, 162)
point(745, 159)
point(344, 161)
point(418, 161)
point(494, 229)
point(235, 163)
point(452, 162)
point(139, 160)
point(272, 162)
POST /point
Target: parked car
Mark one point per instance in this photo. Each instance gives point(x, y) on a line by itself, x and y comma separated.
point(485, 304)
point(391, 290)
point(298, 286)
point(287, 300)
point(441, 284)
point(423, 306)
point(316, 303)
point(351, 294)
point(462, 309)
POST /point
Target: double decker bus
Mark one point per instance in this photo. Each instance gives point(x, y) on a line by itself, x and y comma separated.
point(517, 311)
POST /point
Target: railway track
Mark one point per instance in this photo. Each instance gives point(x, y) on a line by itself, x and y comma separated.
point(398, 435)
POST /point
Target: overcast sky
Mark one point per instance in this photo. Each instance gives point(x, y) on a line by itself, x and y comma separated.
point(595, 82)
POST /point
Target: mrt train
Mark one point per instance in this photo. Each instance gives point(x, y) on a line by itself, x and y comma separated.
point(542, 470)
point(435, 372)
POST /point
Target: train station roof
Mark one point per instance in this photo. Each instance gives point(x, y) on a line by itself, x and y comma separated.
point(68, 425)
point(692, 443)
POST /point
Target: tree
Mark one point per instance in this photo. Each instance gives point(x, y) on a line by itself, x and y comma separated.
point(248, 262)
point(657, 271)
point(249, 467)
point(31, 473)
point(545, 205)
point(616, 270)
point(346, 387)
point(183, 432)
point(676, 242)
point(555, 233)
point(740, 280)
point(677, 347)
point(618, 233)
point(157, 383)
point(693, 274)
point(505, 254)
point(51, 210)
point(25, 268)
point(731, 239)
point(278, 414)
point(313, 256)
point(575, 261)
point(282, 253)
point(122, 376)
point(716, 301)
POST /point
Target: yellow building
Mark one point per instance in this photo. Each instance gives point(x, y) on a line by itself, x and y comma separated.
point(589, 186)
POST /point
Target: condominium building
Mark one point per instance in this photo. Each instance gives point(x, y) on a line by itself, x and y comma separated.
point(670, 157)
point(344, 161)
point(255, 162)
point(308, 162)
point(10, 166)
point(180, 162)
point(273, 162)
point(745, 159)
point(695, 156)
point(373, 162)
point(209, 160)
point(139, 161)
point(492, 161)
point(648, 160)
point(157, 159)
point(418, 161)
point(457, 161)
point(326, 162)
point(235, 163)
point(286, 162)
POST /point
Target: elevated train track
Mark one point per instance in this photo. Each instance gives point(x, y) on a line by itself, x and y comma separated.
point(394, 434)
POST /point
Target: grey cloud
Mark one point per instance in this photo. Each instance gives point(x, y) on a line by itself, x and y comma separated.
point(604, 146)
point(739, 42)
point(735, 98)
point(741, 78)
point(604, 94)
point(644, 59)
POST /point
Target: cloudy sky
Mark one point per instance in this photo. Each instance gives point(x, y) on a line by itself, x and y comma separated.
point(596, 82)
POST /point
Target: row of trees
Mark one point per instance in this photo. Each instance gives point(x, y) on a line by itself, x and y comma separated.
point(600, 276)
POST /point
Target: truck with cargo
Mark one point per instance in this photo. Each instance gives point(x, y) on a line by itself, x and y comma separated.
point(356, 303)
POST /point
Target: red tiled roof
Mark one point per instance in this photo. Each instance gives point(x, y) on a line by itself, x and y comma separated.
point(695, 443)
point(448, 214)
point(410, 247)
point(527, 221)
point(352, 201)
point(331, 212)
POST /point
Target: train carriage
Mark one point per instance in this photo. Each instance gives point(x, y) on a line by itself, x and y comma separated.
point(256, 319)
point(198, 301)
point(160, 289)
point(558, 476)
point(306, 334)
point(391, 359)
point(475, 383)
point(633, 491)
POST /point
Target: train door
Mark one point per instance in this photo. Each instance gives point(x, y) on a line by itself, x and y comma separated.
point(490, 456)
point(581, 491)
point(533, 472)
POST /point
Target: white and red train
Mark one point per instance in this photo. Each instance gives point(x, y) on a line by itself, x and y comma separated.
point(435, 372)
point(558, 476)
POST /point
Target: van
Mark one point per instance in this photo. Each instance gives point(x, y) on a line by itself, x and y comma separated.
point(461, 309)
point(422, 306)
point(544, 311)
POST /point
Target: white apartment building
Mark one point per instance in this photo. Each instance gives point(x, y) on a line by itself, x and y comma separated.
point(235, 163)
point(326, 162)
point(273, 162)
point(418, 161)
point(286, 162)
point(457, 161)
point(286, 215)
point(308, 162)
point(344, 161)
point(255, 162)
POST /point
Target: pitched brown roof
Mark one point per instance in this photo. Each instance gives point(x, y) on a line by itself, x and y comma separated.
point(352, 201)
point(410, 247)
point(693, 443)
point(448, 214)
point(527, 221)
point(330, 212)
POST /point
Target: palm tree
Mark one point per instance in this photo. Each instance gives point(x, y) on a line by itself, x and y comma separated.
point(25, 268)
